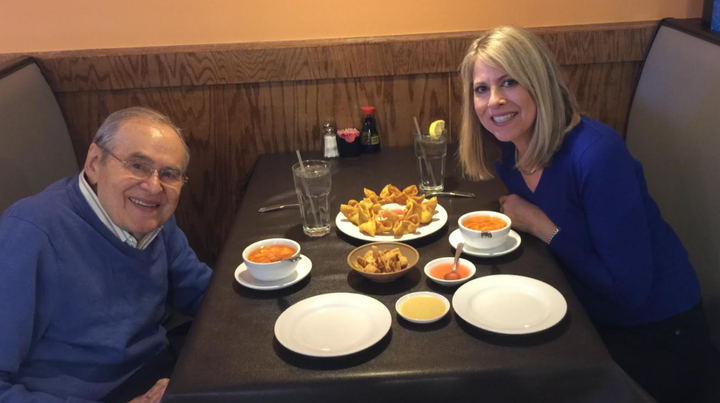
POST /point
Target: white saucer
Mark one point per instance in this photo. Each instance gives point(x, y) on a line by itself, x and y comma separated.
point(512, 243)
point(243, 276)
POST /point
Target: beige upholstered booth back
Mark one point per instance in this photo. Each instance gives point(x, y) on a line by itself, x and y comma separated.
point(35, 147)
point(674, 130)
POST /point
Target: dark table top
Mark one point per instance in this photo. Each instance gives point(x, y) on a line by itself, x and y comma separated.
point(231, 353)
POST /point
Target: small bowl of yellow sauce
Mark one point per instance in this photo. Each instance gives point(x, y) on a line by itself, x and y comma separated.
point(422, 307)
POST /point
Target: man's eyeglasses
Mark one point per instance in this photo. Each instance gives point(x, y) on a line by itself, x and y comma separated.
point(142, 170)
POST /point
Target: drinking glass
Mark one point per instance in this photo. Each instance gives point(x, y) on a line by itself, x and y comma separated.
point(430, 152)
point(312, 185)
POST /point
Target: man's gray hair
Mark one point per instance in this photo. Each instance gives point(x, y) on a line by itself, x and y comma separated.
point(105, 136)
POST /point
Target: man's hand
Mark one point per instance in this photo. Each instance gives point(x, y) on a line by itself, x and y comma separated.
point(527, 217)
point(154, 394)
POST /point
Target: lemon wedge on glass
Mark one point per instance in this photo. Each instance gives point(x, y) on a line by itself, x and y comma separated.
point(437, 128)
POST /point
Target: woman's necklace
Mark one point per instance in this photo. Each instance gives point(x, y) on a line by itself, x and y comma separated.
point(521, 171)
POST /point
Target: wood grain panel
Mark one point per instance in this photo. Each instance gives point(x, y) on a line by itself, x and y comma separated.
point(604, 90)
point(236, 102)
point(318, 59)
point(456, 93)
point(606, 44)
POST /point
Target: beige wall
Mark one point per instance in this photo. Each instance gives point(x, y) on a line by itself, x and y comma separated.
point(41, 25)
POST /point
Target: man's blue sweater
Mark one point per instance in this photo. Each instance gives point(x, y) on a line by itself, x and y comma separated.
point(623, 260)
point(81, 310)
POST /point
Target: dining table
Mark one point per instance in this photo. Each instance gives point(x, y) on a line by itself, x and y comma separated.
point(231, 353)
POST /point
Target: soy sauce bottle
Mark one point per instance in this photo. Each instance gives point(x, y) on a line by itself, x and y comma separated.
point(369, 135)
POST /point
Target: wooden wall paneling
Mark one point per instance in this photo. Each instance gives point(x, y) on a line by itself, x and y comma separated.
point(456, 99)
point(7, 58)
point(307, 105)
point(429, 56)
point(339, 103)
point(401, 98)
point(622, 77)
point(617, 42)
point(210, 199)
point(302, 115)
point(285, 116)
point(201, 65)
point(604, 90)
point(80, 110)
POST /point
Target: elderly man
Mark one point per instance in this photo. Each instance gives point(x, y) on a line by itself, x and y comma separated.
point(88, 266)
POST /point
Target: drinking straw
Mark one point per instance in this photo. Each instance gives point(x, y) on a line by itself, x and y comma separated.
point(307, 189)
point(422, 152)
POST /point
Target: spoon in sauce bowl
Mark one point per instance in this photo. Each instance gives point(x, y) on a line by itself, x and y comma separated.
point(292, 259)
point(454, 275)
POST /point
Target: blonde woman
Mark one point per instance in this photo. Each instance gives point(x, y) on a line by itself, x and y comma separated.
point(573, 184)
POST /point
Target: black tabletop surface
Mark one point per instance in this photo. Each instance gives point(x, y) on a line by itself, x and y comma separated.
point(232, 355)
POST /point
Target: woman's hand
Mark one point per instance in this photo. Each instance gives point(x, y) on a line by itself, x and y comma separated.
point(155, 394)
point(527, 217)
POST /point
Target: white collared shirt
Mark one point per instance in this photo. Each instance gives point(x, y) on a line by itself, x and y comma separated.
point(123, 235)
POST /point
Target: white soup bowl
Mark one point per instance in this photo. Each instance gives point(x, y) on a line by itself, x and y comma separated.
point(484, 239)
point(275, 270)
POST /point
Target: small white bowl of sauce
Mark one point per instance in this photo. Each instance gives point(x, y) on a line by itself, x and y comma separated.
point(422, 307)
point(436, 270)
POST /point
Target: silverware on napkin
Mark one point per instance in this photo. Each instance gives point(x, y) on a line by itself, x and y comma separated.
point(456, 194)
point(277, 207)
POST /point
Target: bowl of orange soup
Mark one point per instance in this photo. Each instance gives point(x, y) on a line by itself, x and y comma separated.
point(264, 259)
point(484, 229)
point(438, 268)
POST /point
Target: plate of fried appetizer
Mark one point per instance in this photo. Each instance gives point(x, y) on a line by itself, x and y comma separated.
point(392, 215)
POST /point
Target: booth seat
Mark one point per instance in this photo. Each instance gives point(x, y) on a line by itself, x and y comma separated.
point(674, 130)
point(35, 146)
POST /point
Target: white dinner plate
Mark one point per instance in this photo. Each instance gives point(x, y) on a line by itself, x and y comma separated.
point(243, 276)
point(439, 219)
point(333, 325)
point(509, 304)
point(513, 242)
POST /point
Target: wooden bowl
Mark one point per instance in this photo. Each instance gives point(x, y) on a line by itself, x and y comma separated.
point(408, 251)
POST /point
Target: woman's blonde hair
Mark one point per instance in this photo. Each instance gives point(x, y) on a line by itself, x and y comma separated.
point(525, 58)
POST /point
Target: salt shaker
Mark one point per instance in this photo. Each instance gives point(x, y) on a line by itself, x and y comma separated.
point(331, 149)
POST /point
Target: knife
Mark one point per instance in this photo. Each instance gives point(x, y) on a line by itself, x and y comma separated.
point(456, 194)
point(277, 207)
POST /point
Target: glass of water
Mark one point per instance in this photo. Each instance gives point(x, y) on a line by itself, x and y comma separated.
point(430, 152)
point(312, 185)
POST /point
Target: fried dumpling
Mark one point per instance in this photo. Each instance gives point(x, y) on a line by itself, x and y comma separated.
point(350, 211)
point(383, 226)
point(389, 190)
point(365, 213)
point(428, 209)
point(400, 199)
point(411, 190)
point(408, 225)
point(412, 208)
point(368, 227)
point(417, 199)
point(369, 194)
point(391, 216)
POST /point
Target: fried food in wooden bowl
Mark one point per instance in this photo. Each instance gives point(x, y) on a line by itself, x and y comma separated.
point(383, 262)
